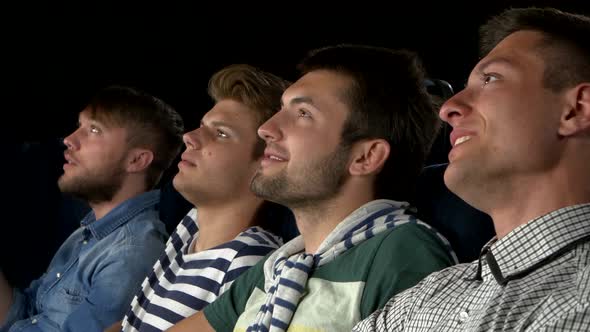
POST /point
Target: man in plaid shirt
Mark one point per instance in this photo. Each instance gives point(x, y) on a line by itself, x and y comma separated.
point(521, 146)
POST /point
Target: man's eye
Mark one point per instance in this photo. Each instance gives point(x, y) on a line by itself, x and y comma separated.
point(94, 130)
point(489, 78)
point(303, 113)
point(221, 133)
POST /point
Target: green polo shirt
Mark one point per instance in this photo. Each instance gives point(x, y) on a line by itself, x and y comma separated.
point(341, 293)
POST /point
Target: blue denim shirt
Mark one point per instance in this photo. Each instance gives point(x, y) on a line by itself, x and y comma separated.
point(93, 276)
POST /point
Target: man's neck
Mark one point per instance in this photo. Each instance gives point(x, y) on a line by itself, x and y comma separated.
point(221, 223)
point(316, 222)
point(531, 198)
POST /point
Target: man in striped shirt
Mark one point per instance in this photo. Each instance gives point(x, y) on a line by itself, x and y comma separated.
point(221, 237)
point(521, 147)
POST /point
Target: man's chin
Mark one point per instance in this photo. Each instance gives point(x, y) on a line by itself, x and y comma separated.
point(72, 187)
point(65, 185)
point(462, 178)
point(263, 186)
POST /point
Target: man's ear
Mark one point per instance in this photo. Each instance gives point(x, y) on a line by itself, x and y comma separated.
point(139, 159)
point(369, 156)
point(576, 118)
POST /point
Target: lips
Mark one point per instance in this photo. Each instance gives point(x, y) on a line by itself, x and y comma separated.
point(273, 157)
point(184, 161)
point(69, 159)
point(275, 154)
point(460, 136)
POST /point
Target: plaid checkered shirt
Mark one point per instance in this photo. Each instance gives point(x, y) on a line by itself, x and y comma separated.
point(536, 278)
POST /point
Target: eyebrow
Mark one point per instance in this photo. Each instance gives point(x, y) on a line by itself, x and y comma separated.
point(499, 60)
point(299, 100)
point(91, 120)
point(216, 123)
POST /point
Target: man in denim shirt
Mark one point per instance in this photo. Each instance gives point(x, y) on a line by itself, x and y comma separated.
point(125, 140)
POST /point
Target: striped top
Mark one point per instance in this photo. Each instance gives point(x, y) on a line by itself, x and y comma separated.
point(184, 282)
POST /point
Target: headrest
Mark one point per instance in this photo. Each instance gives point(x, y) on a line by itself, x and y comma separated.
point(438, 87)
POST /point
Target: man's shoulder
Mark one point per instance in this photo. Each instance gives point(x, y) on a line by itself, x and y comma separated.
point(406, 246)
point(408, 233)
point(253, 243)
point(143, 230)
point(145, 224)
point(137, 217)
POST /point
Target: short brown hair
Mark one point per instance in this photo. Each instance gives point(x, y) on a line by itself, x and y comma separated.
point(565, 47)
point(151, 123)
point(261, 91)
point(387, 99)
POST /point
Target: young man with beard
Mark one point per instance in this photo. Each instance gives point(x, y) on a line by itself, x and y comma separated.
point(124, 142)
point(343, 153)
point(521, 146)
point(221, 237)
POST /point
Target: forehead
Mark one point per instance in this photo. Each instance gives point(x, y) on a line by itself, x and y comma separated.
point(87, 114)
point(109, 128)
point(90, 115)
point(234, 114)
point(520, 50)
point(104, 118)
point(326, 89)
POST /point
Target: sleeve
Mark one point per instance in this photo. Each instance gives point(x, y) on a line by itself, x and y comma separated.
point(406, 256)
point(391, 317)
point(223, 314)
point(113, 287)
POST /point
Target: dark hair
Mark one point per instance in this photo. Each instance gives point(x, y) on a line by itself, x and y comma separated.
point(259, 90)
point(151, 123)
point(388, 100)
point(565, 47)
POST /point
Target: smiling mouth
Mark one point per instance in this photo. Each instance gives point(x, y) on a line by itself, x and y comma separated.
point(271, 157)
point(462, 139)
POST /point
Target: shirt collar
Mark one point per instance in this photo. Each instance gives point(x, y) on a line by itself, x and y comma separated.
point(542, 238)
point(120, 215)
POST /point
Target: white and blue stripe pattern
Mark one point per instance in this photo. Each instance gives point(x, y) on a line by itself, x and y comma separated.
point(288, 268)
point(183, 282)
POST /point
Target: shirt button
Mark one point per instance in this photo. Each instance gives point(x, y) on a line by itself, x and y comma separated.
point(34, 321)
point(463, 316)
point(58, 274)
point(85, 242)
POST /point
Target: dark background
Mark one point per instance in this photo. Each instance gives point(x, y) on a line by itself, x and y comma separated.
point(55, 57)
